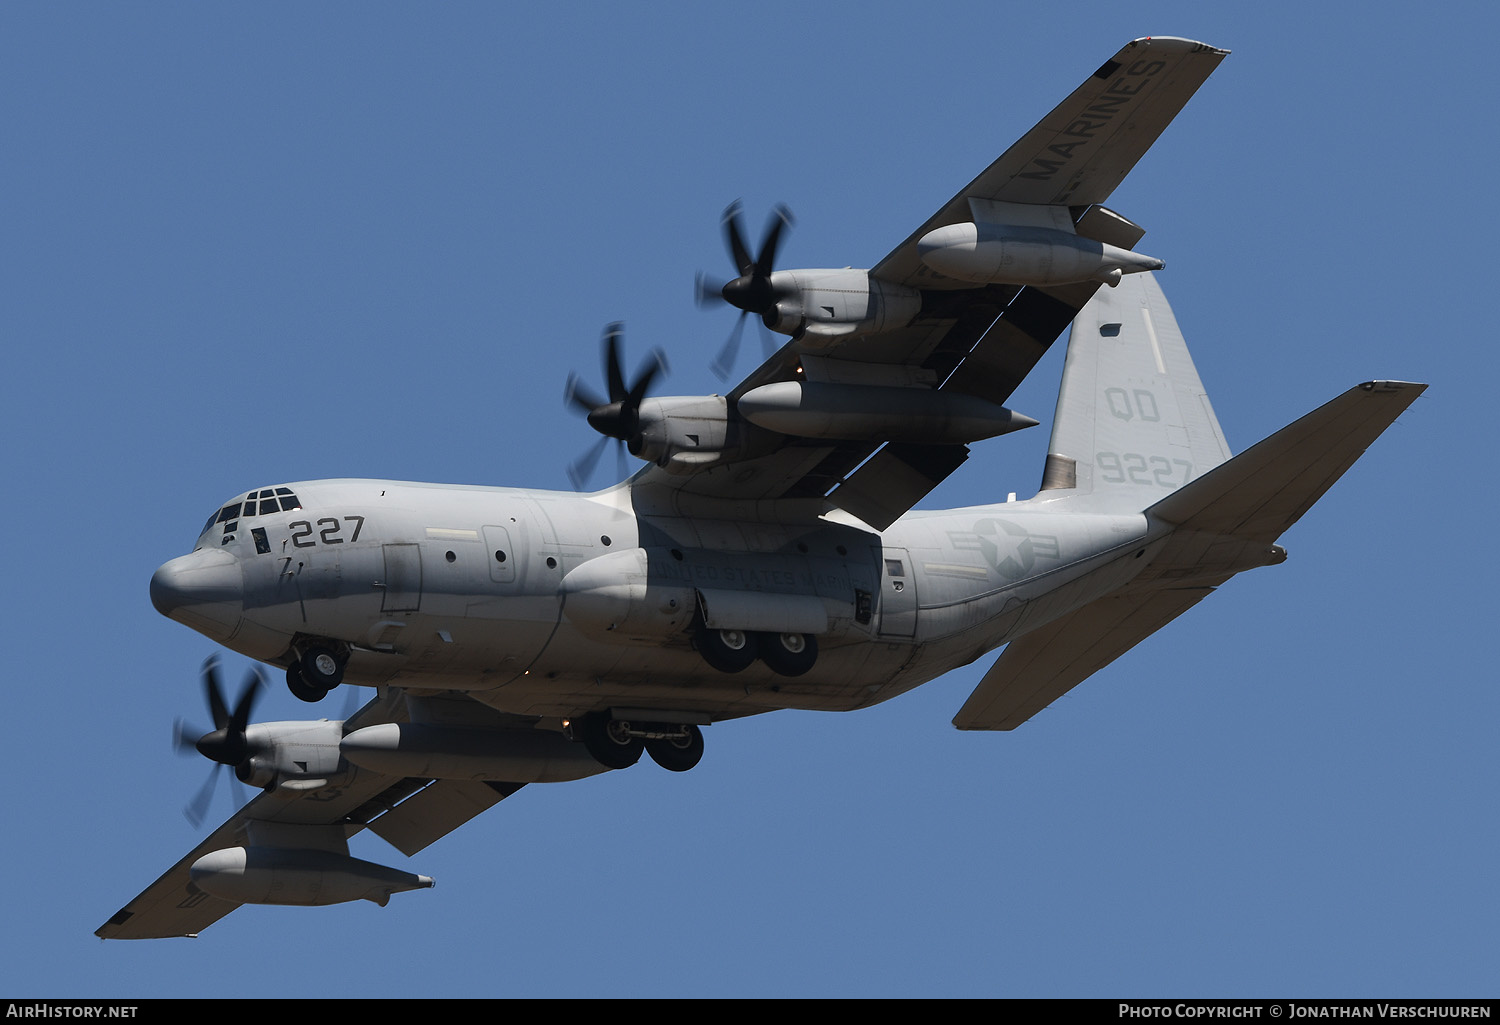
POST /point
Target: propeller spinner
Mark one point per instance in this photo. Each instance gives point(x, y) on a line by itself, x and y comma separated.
point(617, 416)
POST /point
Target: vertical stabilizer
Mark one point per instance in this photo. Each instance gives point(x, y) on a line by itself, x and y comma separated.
point(1133, 422)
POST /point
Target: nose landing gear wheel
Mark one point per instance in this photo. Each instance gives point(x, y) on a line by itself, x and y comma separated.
point(679, 754)
point(608, 741)
point(728, 651)
point(789, 654)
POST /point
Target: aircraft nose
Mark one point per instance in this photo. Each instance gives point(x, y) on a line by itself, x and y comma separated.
point(203, 590)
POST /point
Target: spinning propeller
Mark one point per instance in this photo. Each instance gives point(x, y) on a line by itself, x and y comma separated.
point(752, 291)
point(618, 416)
point(225, 744)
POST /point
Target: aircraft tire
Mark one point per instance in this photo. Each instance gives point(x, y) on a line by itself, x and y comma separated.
point(321, 668)
point(607, 743)
point(677, 755)
point(298, 686)
point(728, 651)
point(789, 654)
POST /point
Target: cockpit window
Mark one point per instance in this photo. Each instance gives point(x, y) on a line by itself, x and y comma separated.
point(262, 502)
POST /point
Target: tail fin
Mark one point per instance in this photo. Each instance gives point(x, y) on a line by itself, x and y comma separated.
point(1219, 525)
point(1133, 422)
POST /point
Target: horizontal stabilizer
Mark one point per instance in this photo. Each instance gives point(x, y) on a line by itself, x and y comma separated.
point(1262, 491)
point(1043, 665)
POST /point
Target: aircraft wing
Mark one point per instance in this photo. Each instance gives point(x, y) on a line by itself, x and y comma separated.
point(1078, 154)
point(409, 813)
point(967, 339)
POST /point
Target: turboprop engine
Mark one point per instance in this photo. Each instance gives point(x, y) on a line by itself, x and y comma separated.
point(825, 306)
point(684, 432)
point(298, 754)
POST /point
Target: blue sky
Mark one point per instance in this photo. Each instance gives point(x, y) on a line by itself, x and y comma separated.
point(254, 244)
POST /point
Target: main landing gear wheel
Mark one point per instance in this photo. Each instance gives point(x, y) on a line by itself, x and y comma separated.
point(298, 686)
point(679, 754)
point(609, 741)
point(321, 668)
point(789, 654)
point(728, 651)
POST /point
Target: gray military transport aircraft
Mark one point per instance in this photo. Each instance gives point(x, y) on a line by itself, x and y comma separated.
point(766, 557)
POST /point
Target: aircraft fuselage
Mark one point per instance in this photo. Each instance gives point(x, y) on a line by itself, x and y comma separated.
point(557, 604)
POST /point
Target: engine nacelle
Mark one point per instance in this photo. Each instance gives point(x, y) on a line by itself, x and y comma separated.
point(305, 751)
point(1026, 255)
point(448, 752)
point(681, 423)
point(686, 432)
point(835, 304)
point(277, 875)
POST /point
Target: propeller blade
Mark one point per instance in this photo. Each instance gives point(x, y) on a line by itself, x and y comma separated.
point(734, 238)
point(218, 711)
point(781, 217)
point(617, 417)
point(181, 731)
point(724, 362)
point(752, 291)
point(613, 371)
point(227, 742)
point(198, 806)
point(582, 468)
point(708, 291)
point(579, 397)
point(255, 679)
point(654, 365)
